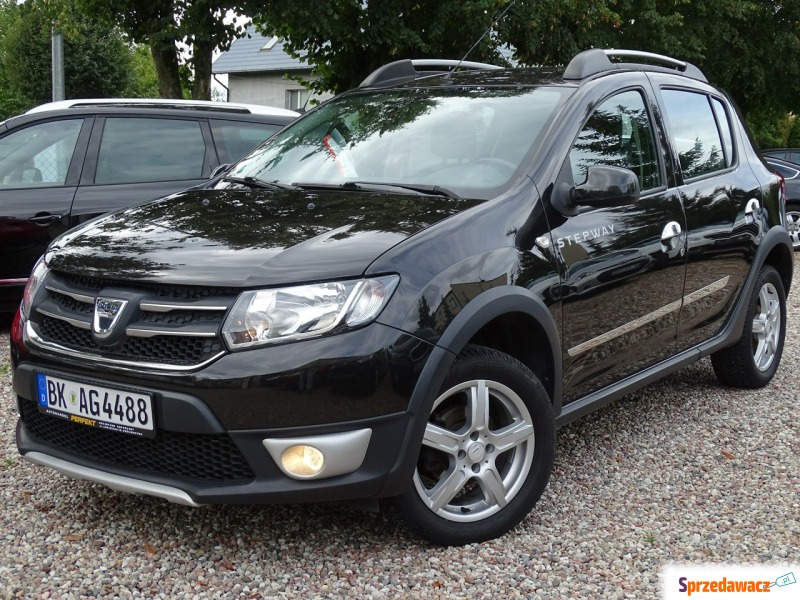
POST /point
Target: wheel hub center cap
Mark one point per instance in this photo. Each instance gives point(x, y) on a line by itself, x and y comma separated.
point(476, 452)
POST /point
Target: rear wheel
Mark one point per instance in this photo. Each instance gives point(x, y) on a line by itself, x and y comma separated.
point(754, 359)
point(486, 454)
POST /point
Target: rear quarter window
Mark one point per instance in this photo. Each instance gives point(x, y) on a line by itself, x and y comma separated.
point(235, 139)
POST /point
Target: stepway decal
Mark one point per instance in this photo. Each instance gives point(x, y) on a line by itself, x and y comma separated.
point(584, 236)
point(729, 581)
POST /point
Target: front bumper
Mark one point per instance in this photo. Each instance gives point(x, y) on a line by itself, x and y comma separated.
point(215, 427)
point(177, 480)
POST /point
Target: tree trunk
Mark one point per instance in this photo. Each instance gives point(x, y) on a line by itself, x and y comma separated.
point(202, 59)
point(165, 57)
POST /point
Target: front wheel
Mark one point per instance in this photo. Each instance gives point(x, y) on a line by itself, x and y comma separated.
point(486, 454)
point(754, 359)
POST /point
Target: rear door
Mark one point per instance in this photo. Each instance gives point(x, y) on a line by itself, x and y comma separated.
point(133, 159)
point(722, 199)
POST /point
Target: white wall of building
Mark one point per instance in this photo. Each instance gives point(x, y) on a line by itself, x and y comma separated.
point(266, 89)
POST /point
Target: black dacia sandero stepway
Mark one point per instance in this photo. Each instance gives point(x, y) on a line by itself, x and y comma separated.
point(403, 293)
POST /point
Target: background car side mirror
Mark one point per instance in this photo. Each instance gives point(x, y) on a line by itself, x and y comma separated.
point(606, 186)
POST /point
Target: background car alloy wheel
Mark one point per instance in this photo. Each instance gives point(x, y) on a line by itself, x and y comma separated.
point(793, 223)
point(486, 453)
point(753, 360)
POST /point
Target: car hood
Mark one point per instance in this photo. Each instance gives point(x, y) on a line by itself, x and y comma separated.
point(242, 237)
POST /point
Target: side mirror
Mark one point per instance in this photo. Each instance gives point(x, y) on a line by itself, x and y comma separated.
point(606, 186)
point(219, 170)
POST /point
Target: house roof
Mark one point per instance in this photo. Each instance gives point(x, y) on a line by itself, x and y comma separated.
point(250, 55)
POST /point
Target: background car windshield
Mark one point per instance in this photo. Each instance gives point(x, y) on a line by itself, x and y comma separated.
point(471, 141)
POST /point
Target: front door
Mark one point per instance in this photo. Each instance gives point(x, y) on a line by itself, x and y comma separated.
point(623, 267)
point(39, 169)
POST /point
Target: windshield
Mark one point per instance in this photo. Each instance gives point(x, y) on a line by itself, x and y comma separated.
point(473, 141)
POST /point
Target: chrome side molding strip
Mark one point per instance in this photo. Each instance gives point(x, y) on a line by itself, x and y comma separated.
point(649, 317)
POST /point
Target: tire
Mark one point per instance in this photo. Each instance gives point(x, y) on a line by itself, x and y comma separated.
point(793, 222)
point(754, 359)
point(487, 452)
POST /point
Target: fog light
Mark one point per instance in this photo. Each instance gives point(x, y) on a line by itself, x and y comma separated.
point(302, 460)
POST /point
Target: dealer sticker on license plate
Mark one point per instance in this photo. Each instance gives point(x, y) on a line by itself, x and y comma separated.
point(125, 411)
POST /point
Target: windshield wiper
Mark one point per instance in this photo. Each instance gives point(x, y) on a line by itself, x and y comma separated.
point(434, 190)
point(377, 186)
point(254, 182)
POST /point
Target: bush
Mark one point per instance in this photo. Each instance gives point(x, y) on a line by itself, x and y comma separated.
point(771, 129)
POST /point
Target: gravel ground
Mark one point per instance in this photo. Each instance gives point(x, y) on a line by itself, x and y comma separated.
point(682, 471)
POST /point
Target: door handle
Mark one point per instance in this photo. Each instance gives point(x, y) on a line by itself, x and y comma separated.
point(672, 237)
point(45, 219)
point(752, 210)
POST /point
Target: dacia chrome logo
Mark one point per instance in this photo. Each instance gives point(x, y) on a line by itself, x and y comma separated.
point(107, 312)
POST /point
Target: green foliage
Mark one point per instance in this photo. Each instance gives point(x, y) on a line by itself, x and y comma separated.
point(771, 129)
point(144, 81)
point(347, 39)
point(162, 24)
point(97, 59)
point(747, 47)
point(793, 141)
point(11, 102)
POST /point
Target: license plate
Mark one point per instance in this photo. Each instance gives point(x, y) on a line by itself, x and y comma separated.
point(124, 411)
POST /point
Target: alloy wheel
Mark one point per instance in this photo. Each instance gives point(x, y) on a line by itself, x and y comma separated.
point(477, 451)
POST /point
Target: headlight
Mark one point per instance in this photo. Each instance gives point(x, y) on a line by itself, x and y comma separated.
point(34, 282)
point(292, 313)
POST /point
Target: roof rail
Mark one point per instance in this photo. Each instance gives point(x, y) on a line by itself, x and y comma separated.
point(230, 107)
point(402, 71)
point(594, 61)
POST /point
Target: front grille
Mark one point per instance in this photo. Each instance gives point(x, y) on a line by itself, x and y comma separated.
point(171, 325)
point(165, 349)
point(182, 455)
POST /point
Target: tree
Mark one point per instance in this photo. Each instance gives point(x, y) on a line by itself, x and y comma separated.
point(144, 81)
point(164, 25)
point(744, 46)
point(11, 102)
point(347, 39)
point(97, 59)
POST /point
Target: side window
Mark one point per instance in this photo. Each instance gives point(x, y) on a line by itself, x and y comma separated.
point(234, 139)
point(725, 129)
point(39, 155)
point(619, 134)
point(135, 150)
point(694, 133)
